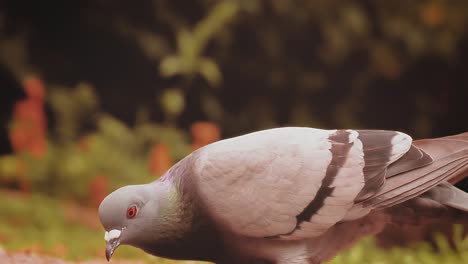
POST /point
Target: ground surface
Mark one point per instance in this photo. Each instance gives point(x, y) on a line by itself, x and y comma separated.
point(30, 258)
point(26, 258)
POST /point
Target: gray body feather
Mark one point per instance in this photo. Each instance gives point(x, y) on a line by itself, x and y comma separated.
point(300, 195)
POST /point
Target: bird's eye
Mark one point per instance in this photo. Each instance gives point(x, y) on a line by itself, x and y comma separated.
point(131, 212)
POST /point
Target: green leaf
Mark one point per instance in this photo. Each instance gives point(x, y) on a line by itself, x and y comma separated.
point(220, 15)
point(210, 71)
point(170, 66)
point(173, 102)
point(8, 167)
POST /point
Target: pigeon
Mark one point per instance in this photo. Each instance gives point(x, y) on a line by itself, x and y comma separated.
point(289, 195)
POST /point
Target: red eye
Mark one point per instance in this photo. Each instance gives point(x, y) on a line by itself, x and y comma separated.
point(131, 212)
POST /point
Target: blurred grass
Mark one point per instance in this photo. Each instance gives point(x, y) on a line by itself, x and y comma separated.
point(38, 223)
point(367, 252)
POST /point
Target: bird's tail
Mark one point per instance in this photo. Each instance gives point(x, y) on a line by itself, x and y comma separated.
point(444, 160)
point(443, 205)
point(440, 148)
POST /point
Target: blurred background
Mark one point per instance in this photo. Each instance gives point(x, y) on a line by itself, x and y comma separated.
point(100, 94)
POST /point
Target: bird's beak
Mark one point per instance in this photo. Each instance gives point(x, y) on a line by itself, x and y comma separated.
point(112, 242)
point(110, 248)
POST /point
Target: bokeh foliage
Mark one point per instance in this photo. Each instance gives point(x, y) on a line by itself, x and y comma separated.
point(254, 64)
point(85, 143)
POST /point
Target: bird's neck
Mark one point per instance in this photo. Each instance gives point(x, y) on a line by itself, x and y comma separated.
point(187, 232)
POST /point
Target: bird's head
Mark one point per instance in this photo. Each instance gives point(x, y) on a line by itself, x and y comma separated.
point(126, 215)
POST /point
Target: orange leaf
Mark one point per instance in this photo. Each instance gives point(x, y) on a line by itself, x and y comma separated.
point(98, 190)
point(159, 160)
point(433, 15)
point(34, 88)
point(204, 133)
point(60, 250)
point(33, 248)
point(29, 128)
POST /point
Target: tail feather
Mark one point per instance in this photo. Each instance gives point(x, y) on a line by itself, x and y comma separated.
point(449, 195)
point(421, 201)
point(462, 136)
point(415, 182)
point(439, 148)
point(431, 162)
point(416, 191)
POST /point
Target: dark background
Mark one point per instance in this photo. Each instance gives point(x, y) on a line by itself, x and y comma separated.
point(305, 63)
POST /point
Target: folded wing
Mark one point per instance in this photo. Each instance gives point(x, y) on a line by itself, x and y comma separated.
point(293, 183)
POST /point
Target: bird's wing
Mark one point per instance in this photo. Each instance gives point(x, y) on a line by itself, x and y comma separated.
point(442, 159)
point(292, 183)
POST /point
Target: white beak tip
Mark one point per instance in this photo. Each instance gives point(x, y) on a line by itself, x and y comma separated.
point(114, 233)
